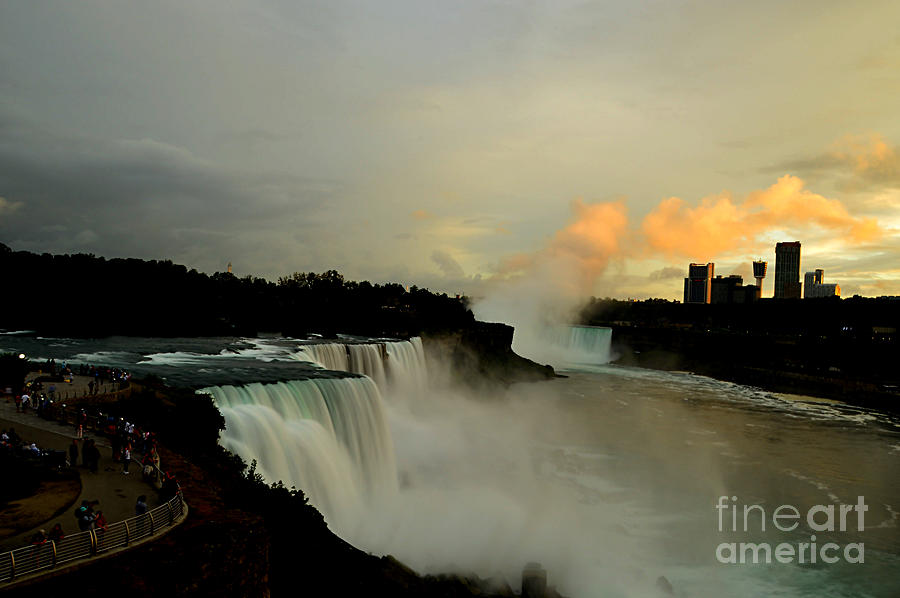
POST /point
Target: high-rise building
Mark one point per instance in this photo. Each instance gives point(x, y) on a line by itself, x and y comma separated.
point(814, 286)
point(698, 284)
point(787, 270)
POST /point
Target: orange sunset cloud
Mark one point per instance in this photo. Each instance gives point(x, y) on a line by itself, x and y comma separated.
point(722, 223)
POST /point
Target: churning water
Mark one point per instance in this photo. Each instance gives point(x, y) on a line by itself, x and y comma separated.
point(609, 478)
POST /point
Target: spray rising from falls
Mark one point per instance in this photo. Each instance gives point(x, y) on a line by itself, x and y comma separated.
point(327, 436)
point(429, 475)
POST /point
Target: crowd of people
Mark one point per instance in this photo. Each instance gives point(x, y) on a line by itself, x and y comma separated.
point(12, 445)
point(35, 397)
point(129, 443)
point(99, 374)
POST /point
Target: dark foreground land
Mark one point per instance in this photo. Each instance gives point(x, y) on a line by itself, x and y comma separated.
point(840, 349)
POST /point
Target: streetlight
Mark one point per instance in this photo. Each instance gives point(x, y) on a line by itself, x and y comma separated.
point(21, 356)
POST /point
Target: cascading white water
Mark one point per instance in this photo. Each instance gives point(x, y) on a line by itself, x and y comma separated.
point(406, 368)
point(564, 346)
point(584, 344)
point(331, 356)
point(394, 366)
point(368, 360)
point(326, 436)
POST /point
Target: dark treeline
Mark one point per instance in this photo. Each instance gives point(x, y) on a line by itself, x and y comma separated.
point(845, 349)
point(85, 295)
point(847, 318)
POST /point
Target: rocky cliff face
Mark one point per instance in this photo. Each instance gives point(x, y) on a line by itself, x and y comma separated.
point(481, 354)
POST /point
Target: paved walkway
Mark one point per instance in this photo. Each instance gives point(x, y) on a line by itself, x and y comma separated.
point(116, 492)
point(79, 386)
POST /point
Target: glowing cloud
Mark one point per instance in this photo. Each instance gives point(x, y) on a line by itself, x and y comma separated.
point(584, 247)
point(721, 224)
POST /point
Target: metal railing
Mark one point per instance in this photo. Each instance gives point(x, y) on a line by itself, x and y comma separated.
point(50, 555)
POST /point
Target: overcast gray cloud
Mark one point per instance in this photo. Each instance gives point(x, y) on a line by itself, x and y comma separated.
point(143, 198)
point(288, 135)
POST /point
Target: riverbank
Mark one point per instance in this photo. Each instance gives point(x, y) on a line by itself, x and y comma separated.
point(773, 364)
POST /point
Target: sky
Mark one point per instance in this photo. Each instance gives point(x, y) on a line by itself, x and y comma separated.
point(457, 145)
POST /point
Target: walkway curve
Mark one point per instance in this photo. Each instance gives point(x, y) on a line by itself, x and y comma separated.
point(30, 562)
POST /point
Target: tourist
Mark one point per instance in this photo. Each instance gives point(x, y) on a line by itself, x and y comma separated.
point(40, 537)
point(81, 511)
point(57, 534)
point(100, 527)
point(126, 458)
point(100, 523)
point(140, 507)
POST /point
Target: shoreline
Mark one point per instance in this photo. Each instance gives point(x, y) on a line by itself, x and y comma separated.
point(854, 393)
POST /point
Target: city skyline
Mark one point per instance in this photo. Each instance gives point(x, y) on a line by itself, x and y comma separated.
point(597, 146)
point(702, 285)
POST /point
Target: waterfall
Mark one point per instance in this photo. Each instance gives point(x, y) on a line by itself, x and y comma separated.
point(369, 361)
point(586, 344)
point(331, 356)
point(564, 346)
point(406, 365)
point(394, 366)
point(327, 436)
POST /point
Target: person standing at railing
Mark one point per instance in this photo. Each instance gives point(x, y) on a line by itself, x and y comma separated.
point(87, 519)
point(100, 527)
point(140, 507)
point(56, 534)
point(37, 541)
point(39, 538)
